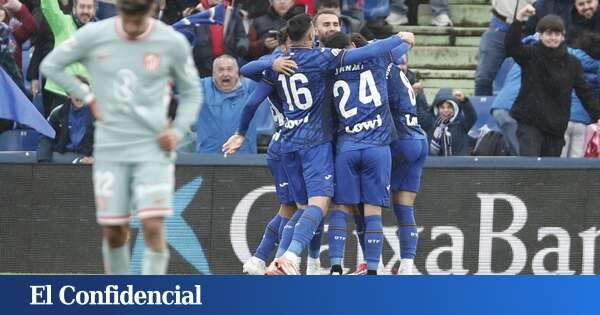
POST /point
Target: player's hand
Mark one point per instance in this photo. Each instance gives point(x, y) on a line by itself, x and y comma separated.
point(284, 65)
point(526, 12)
point(459, 95)
point(95, 111)
point(167, 140)
point(417, 88)
point(271, 43)
point(408, 38)
point(233, 144)
point(88, 160)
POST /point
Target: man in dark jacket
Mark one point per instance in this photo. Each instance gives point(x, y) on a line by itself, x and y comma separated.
point(74, 126)
point(549, 74)
point(215, 40)
point(264, 29)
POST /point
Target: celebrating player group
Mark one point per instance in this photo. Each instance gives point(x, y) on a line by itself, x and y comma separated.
point(346, 129)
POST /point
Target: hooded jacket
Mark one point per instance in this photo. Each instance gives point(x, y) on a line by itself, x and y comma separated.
point(462, 121)
point(547, 79)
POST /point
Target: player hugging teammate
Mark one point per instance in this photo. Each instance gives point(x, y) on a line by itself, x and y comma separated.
point(374, 133)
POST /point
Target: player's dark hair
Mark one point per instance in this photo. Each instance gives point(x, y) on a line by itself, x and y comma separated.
point(337, 40)
point(135, 7)
point(298, 27)
point(590, 43)
point(358, 40)
point(552, 23)
point(329, 4)
point(282, 36)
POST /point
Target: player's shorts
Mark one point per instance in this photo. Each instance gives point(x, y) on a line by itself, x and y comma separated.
point(122, 189)
point(363, 176)
point(408, 158)
point(282, 185)
point(310, 172)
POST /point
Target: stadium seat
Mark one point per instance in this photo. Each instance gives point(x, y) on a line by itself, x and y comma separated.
point(482, 106)
point(19, 140)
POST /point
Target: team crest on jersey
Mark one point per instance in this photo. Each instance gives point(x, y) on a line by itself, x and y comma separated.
point(151, 62)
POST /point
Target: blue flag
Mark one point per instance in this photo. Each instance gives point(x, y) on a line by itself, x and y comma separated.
point(214, 15)
point(14, 105)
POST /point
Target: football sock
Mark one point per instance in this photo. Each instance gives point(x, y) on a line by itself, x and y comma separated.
point(336, 235)
point(360, 230)
point(305, 228)
point(407, 231)
point(314, 248)
point(373, 240)
point(116, 260)
point(282, 224)
point(155, 263)
point(288, 232)
point(269, 239)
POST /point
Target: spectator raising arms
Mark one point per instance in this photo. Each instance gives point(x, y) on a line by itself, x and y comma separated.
point(549, 74)
point(10, 8)
point(453, 116)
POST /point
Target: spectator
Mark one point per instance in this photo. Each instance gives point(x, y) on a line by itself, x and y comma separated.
point(453, 116)
point(7, 49)
point(549, 74)
point(21, 33)
point(215, 40)
point(399, 13)
point(588, 53)
point(351, 20)
point(254, 8)
point(491, 49)
point(63, 26)
point(585, 17)
point(576, 15)
point(74, 126)
point(264, 29)
point(504, 101)
point(225, 95)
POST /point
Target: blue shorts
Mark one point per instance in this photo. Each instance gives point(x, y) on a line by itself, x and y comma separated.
point(408, 158)
point(310, 172)
point(363, 176)
point(282, 185)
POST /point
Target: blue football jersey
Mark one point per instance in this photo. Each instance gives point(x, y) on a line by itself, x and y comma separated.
point(403, 105)
point(361, 100)
point(306, 97)
point(276, 111)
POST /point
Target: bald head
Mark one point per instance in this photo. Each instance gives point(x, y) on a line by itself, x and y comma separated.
point(226, 73)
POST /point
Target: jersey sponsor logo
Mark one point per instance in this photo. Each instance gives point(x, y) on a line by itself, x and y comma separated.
point(293, 123)
point(365, 125)
point(151, 62)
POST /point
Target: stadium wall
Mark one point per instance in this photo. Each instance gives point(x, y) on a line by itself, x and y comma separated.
point(475, 216)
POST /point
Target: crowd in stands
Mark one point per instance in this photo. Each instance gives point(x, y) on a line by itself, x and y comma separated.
point(548, 98)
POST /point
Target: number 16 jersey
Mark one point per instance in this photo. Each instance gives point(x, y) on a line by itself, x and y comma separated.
point(306, 97)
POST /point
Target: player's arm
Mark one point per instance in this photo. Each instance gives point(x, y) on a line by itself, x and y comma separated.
point(253, 70)
point(72, 50)
point(262, 90)
point(376, 49)
point(191, 96)
point(399, 52)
